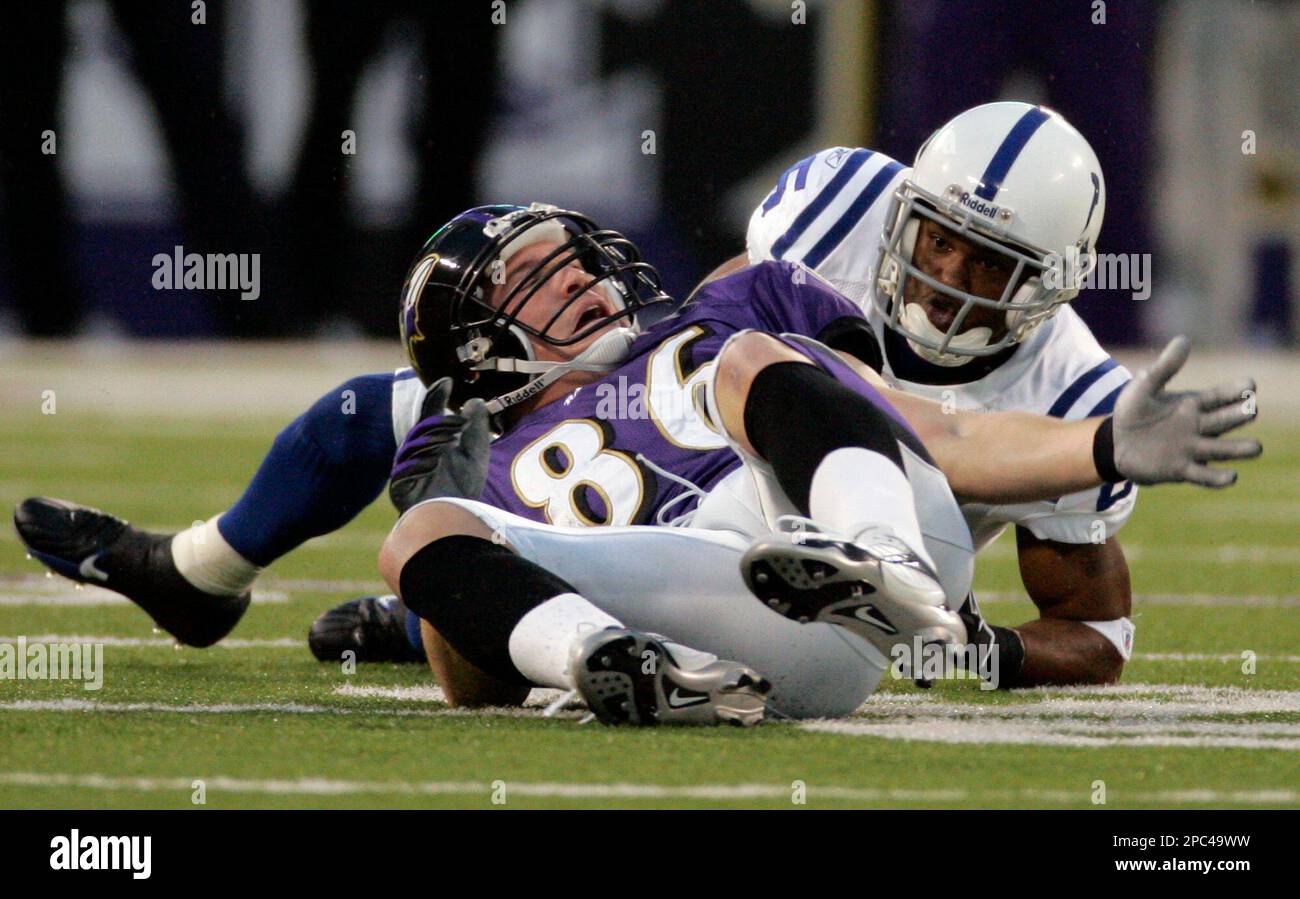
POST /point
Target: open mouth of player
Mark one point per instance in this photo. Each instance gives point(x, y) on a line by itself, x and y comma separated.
point(588, 313)
point(942, 311)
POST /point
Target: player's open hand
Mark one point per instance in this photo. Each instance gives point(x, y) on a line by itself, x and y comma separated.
point(445, 454)
point(1162, 436)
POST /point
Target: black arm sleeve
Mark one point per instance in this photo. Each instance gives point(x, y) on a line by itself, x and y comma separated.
point(853, 335)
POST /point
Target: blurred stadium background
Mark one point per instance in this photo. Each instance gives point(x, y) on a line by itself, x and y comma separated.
point(668, 119)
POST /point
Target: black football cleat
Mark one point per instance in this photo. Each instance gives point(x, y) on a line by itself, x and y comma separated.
point(373, 627)
point(93, 547)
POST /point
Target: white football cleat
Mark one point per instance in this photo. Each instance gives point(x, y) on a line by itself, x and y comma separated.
point(875, 585)
point(629, 677)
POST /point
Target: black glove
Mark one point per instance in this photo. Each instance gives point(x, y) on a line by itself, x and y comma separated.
point(445, 454)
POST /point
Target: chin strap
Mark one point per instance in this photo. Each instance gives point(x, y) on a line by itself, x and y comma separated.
point(605, 354)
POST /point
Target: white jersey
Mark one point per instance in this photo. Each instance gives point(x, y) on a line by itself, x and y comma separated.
point(828, 211)
point(408, 398)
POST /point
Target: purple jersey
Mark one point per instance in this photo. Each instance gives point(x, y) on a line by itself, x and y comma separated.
point(609, 452)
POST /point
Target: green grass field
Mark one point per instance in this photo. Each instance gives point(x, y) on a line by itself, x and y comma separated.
point(262, 724)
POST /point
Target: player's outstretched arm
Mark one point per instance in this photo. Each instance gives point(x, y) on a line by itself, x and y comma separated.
point(1156, 436)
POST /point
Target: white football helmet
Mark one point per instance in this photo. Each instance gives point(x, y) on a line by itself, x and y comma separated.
point(1010, 176)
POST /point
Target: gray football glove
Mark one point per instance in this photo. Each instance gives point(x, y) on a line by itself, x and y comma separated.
point(445, 454)
point(1165, 437)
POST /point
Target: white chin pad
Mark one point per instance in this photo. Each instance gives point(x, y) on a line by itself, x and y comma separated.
point(916, 321)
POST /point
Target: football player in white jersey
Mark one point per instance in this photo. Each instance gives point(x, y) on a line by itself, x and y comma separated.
point(952, 262)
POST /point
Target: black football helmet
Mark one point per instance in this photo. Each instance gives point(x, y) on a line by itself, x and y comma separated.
point(449, 328)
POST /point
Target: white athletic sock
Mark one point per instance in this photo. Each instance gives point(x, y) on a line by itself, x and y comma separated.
point(540, 643)
point(854, 489)
point(206, 560)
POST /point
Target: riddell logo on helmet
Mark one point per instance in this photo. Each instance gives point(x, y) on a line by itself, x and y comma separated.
point(975, 203)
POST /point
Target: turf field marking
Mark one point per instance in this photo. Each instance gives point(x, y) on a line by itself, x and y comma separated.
point(538, 698)
point(1122, 715)
point(317, 786)
point(37, 590)
point(1059, 716)
point(1210, 657)
point(162, 642)
point(320, 585)
point(1174, 599)
point(1200, 692)
point(1072, 732)
point(1217, 554)
point(1050, 701)
point(432, 694)
point(275, 708)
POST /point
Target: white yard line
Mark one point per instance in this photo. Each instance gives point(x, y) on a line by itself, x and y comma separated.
point(1211, 657)
point(1123, 715)
point(320, 585)
point(384, 692)
point(39, 590)
point(238, 708)
point(1056, 733)
point(163, 642)
point(1171, 599)
point(318, 786)
point(1217, 554)
point(1181, 716)
point(538, 698)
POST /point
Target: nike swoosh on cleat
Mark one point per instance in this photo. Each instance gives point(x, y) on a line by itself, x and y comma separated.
point(89, 570)
point(677, 701)
point(870, 615)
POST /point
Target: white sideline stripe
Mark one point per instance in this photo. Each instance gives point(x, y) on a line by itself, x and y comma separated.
point(1200, 691)
point(54, 590)
point(62, 592)
point(1211, 657)
point(1054, 734)
point(416, 693)
point(277, 708)
point(39, 583)
point(538, 698)
point(367, 588)
point(228, 643)
point(1148, 700)
point(1172, 599)
point(1057, 717)
point(1218, 554)
point(1048, 701)
point(1136, 715)
point(327, 787)
point(420, 693)
point(57, 591)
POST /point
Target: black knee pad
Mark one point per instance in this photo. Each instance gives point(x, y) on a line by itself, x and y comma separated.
point(796, 414)
point(474, 592)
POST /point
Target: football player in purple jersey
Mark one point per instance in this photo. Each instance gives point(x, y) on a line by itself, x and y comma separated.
point(814, 493)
